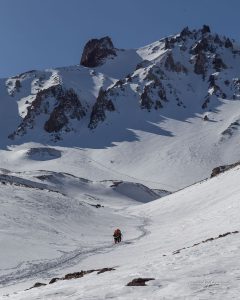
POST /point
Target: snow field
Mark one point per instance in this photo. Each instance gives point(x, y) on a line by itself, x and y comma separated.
point(208, 270)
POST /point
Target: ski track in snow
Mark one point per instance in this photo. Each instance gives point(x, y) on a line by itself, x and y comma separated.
point(46, 269)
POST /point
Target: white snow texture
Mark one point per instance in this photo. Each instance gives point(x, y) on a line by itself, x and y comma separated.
point(143, 167)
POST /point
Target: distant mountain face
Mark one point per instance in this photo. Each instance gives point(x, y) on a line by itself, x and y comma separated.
point(189, 71)
point(154, 113)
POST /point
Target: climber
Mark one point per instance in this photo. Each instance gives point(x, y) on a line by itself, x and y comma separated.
point(117, 236)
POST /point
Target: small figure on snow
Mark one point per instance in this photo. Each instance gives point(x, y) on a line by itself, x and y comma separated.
point(206, 118)
point(117, 236)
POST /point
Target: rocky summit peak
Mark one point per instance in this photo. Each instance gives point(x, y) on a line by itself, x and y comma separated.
point(96, 50)
point(164, 74)
point(205, 29)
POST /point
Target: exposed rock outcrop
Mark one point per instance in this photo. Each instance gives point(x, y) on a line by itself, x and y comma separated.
point(139, 281)
point(202, 45)
point(228, 43)
point(185, 32)
point(66, 106)
point(147, 100)
point(36, 285)
point(205, 29)
point(74, 275)
point(200, 64)
point(206, 102)
point(98, 111)
point(164, 71)
point(173, 66)
point(96, 51)
point(154, 92)
point(218, 63)
point(69, 107)
point(206, 241)
point(218, 170)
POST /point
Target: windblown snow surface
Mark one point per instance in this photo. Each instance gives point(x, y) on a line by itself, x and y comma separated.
point(188, 242)
point(63, 193)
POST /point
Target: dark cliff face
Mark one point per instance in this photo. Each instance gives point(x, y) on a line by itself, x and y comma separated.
point(102, 105)
point(96, 50)
point(67, 107)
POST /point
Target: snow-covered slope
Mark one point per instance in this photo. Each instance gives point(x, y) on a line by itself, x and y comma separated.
point(147, 115)
point(189, 247)
point(50, 220)
point(88, 148)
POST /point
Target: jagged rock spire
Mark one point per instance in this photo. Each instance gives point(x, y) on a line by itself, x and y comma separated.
point(96, 50)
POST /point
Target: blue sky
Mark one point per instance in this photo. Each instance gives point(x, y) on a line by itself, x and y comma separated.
point(48, 33)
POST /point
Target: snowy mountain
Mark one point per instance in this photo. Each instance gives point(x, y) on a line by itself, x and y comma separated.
point(175, 98)
point(128, 139)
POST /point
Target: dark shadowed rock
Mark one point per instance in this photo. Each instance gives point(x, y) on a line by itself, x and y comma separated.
point(53, 280)
point(96, 50)
point(217, 40)
point(105, 270)
point(56, 121)
point(36, 285)
point(146, 102)
point(199, 67)
point(211, 80)
point(69, 107)
point(206, 101)
point(228, 43)
point(173, 66)
point(66, 104)
point(18, 85)
point(218, 63)
point(205, 29)
point(98, 111)
point(202, 45)
point(167, 44)
point(218, 170)
point(76, 275)
point(146, 99)
point(139, 281)
point(185, 32)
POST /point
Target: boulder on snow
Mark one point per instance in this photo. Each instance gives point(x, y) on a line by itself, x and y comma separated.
point(218, 170)
point(76, 275)
point(80, 274)
point(53, 280)
point(105, 270)
point(36, 285)
point(139, 281)
point(96, 50)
